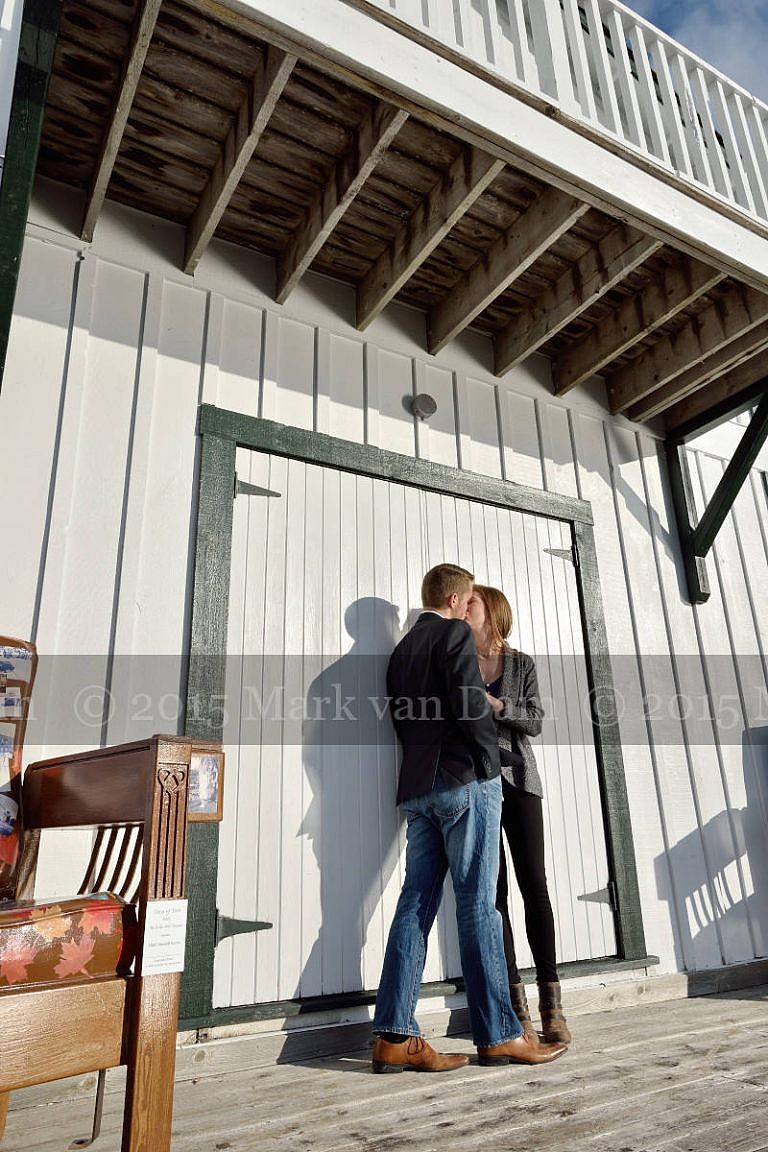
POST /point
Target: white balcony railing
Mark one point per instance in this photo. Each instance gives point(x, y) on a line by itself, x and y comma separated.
point(603, 64)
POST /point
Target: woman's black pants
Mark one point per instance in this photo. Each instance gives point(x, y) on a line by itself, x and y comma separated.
point(523, 825)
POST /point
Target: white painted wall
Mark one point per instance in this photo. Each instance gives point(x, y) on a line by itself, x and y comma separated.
point(111, 351)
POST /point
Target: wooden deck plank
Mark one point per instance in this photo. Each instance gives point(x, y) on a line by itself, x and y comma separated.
point(665, 1077)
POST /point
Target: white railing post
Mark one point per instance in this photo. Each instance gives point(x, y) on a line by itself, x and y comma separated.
point(441, 22)
point(703, 98)
point(525, 63)
point(602, 67)
point(494, 45)
point(578, 52)
point(691, 127)
point(671, 112)
point(757, 127)
point(410, 11)
point(649, 98)
point(628, 86)
point(468, 21)
point(551, 51)
point(741, 152)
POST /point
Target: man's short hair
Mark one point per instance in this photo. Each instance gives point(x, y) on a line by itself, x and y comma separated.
point(442, 581)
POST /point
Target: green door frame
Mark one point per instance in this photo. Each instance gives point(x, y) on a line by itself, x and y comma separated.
point(37, 45)
point(221, 433)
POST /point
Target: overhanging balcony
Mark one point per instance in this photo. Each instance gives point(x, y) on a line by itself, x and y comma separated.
point(335, 137)
point(607, 70)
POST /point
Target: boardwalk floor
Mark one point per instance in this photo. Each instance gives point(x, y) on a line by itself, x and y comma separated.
point(681, 1076)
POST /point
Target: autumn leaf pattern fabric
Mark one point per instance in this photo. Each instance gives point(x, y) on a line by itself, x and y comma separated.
point(69, 941)
point(10, 836)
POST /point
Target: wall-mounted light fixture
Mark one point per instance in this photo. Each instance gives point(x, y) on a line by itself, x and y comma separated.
point(423, 406)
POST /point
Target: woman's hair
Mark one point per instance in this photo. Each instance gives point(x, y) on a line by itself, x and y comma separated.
point(441, 582)
point(498, 612)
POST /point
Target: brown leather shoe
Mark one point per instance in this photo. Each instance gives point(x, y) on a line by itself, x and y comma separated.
point(413, 1054)
point(522, 1050)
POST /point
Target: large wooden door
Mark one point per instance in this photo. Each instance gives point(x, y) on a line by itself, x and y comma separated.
point(326, 572)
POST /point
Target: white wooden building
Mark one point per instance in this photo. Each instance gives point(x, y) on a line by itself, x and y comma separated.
point(257, 231)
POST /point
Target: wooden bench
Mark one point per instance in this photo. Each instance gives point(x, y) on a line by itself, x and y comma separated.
point(101, 1014)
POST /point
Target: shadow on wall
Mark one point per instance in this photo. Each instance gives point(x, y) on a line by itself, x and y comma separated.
point(349, 757)
point(351, 760)
point(725, 911)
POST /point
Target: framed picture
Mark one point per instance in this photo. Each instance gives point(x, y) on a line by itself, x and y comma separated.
point(7, 748)
point(206, 783)
point(18, 664)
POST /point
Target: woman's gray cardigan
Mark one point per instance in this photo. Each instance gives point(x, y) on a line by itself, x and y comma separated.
point(520, 718)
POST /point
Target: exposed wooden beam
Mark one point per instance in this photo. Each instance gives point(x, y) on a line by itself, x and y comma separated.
point(627, 187)
point(733, 392)
point(253, 116)
point(730, 356)
point(457, 189)
point(739, 467)
point(595, 273)
point(659, 301)
point(536, 230)
point(722, 321)
point(144, 27)
point(375, 134)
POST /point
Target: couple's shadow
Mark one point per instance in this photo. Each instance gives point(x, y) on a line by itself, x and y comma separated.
point(350, 760)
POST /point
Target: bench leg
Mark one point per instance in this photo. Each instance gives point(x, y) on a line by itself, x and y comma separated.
point(4, 1098)
point(151, 1064)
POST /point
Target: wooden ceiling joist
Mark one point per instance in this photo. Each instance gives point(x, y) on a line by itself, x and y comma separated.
point(599, 269)
point(222, 125)
point(373, 138)
point(730, 356)
point(143, 29)
point(658, 302)
point(467, 178)
point(536, 230)
point(733, 389)
point(733, 315)
point(252, 118)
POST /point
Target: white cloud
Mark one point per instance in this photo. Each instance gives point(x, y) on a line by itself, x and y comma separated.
point(731, 35)
point(646, 8)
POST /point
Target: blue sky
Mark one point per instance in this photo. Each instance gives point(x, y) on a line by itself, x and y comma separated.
point(732, 35)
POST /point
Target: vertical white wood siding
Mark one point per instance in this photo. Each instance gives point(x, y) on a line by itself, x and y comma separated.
point(111, 352)
point(325, 577)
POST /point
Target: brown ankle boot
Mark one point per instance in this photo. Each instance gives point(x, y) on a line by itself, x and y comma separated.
point(522, 1011)
point(553, 1025)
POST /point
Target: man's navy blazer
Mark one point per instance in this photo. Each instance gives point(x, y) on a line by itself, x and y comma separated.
point(439, 707)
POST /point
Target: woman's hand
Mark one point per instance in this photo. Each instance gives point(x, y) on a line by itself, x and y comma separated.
point(496, 704)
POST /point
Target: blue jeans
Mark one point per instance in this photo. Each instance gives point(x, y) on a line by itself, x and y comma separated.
point(454, 829)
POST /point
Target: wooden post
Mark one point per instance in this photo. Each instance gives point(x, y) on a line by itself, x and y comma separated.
point(685, 514)
point(39, 30)
point(154, 1004)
